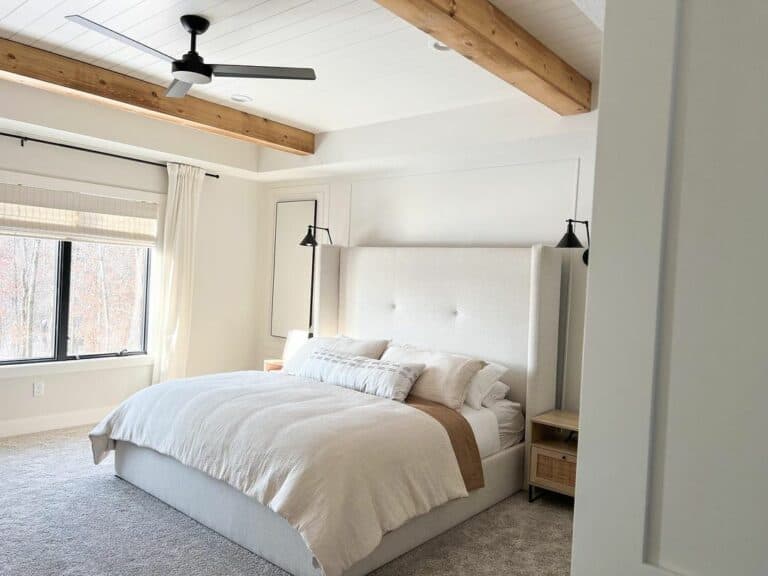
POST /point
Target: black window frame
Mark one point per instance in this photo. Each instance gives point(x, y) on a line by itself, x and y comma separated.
point(61, 313)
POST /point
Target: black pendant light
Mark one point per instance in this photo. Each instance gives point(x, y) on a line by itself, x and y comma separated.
point(570, 240)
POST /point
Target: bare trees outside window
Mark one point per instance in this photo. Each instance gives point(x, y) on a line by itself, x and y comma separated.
point(106, 302)
point(104, 313)
point(27, 297)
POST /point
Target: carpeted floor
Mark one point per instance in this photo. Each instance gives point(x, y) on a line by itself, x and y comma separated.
point(61, 515)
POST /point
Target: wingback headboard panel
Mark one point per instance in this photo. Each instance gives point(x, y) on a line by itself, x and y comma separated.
point(498, 304)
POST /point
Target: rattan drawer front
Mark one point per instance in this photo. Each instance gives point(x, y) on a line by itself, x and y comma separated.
point(553, 470)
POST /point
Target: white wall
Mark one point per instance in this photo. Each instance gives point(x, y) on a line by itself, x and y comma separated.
point(509, 204)
point(34, 112)
point(494, 133)
point(515, 192)
point(224, 331)
point(672, 460)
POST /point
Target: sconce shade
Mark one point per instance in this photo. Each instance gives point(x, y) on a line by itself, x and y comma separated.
point(569, 239)
point(309, 239)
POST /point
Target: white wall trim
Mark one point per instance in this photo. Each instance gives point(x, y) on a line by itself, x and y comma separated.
point(620, 360)
point(52, 421)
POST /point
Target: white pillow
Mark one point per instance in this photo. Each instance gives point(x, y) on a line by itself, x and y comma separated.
point(377, 377)
point(340, 344)
point(481, 384)
point(445, 378)
point(497, 392)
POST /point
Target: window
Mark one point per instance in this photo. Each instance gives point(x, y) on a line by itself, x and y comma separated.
point(63, 300)
point(107, 298)
point(27, 298)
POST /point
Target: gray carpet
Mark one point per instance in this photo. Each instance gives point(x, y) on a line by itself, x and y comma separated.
point(61, 515)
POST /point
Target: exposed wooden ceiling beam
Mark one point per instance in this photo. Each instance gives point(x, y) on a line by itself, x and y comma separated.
point(28, 65)
point(482, 33)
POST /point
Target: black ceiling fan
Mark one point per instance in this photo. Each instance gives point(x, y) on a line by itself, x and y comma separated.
point(191, 69)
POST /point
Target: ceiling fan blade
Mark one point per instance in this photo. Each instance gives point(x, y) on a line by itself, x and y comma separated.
point(91, 25)
point(178, 89)
point(236, 71)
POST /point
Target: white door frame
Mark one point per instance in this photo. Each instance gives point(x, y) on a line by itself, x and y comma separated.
point(622, 321)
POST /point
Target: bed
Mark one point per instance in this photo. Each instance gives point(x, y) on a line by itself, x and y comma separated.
point(497, 304)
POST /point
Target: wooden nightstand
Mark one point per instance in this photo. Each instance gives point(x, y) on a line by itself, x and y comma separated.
point(554, 444)
point(273, 364)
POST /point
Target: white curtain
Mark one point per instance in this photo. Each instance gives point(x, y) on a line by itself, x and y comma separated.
point(176, 247)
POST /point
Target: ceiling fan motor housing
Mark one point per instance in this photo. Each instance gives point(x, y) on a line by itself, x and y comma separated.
point(192, 69)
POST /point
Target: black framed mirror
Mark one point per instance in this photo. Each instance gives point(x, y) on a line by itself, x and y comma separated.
point(292, 266)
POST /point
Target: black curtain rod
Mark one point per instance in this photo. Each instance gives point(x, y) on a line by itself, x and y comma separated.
point(24, 139)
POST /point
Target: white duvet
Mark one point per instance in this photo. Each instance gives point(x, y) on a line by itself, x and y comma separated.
point(341, 467)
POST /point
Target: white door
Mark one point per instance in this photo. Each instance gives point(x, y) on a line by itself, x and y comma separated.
point(673, 464)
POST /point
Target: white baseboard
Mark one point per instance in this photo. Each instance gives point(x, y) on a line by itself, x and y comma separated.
point(20, 426)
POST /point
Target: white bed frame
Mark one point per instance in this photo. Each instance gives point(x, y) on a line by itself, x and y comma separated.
point(499, 304)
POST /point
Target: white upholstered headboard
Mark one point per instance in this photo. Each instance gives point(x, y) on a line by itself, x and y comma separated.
point(497, 304)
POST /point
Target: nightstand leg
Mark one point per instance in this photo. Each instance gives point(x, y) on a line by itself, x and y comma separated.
point(532, 496)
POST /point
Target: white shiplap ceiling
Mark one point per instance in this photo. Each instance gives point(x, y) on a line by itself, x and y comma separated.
point(563, 27)
point(371, 66)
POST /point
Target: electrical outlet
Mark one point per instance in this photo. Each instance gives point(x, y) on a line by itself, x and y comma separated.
point(38, 388)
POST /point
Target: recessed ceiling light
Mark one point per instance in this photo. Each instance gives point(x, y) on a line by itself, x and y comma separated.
point(439, 46)
point(242, 98)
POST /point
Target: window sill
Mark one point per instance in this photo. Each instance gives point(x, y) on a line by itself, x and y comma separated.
point(69, 366)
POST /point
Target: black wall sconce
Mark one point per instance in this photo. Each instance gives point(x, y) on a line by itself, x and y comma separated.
point(570, 240)
point(309, 239)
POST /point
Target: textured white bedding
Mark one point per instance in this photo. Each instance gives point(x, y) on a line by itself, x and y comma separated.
point(486, 428)
point(511, 421)
point(496, 428)
point(340, 466)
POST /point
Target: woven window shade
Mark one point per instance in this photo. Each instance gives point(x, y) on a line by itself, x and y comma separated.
point(67, 215)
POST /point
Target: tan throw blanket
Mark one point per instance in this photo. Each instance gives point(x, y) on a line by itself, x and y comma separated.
point(462, 439)
point(342, 467)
